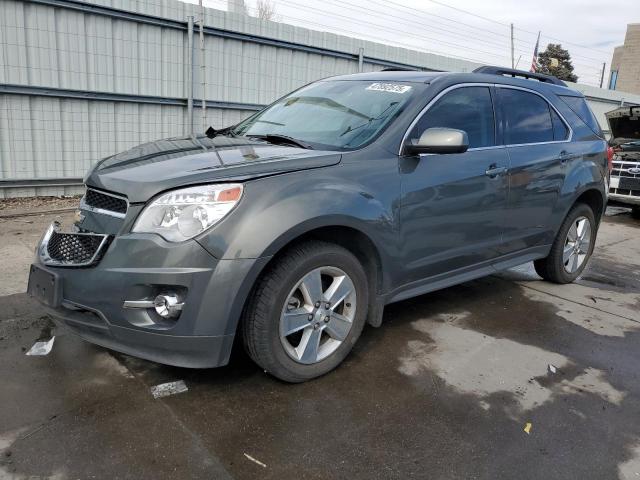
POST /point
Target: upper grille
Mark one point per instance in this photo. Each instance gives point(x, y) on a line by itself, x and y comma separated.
point(73, 248)
point(104, 201)
point(628, 183)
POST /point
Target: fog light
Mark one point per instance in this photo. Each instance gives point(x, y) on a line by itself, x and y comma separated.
point(167, 306)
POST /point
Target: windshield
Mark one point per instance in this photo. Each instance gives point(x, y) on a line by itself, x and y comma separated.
point(343, 114)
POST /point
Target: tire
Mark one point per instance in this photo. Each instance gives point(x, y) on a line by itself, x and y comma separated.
point(281, 301)
point(555, 267)
point(635, 212)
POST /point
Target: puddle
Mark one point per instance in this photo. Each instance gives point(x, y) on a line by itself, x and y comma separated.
point(484, 365)
point(593, 320)
point(630, 470)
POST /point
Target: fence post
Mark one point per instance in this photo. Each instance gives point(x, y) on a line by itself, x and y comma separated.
point(190, 75)
point(360, 59)
point(203, 70)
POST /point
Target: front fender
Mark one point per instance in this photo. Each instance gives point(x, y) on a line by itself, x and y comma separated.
point(278, 209)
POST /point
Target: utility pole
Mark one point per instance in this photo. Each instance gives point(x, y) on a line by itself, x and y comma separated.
point(604, 65)
point(512, 48)
point(203, 71)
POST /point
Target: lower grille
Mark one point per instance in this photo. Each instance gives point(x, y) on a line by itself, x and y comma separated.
point(71, 249)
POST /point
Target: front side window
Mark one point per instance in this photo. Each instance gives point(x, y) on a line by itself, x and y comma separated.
point(340, 114)
point(527, 117)
point(466, 108)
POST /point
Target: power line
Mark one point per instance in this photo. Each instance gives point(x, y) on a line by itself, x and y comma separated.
point(503, 55)
point(437, 2)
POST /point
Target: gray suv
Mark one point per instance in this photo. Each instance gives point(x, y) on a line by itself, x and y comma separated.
point(294, 228)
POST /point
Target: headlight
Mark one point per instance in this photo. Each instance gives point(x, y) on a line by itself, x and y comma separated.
point(183, 214)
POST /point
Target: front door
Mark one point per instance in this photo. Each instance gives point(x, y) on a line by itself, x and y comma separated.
point(452, 210)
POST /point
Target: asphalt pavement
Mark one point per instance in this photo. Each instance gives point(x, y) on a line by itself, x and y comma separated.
point(504, 377)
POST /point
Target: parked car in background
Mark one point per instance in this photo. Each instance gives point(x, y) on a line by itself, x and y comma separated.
point(624, 123)
point(297, 226)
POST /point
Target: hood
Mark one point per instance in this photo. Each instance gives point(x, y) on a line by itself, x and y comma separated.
point(624, 124)
point(151, 168)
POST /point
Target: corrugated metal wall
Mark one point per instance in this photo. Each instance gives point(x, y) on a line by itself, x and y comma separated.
point(108, 80)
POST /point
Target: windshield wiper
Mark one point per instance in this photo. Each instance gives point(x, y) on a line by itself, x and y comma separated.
point(226, 131)
point(369, 120)
point(279, 139)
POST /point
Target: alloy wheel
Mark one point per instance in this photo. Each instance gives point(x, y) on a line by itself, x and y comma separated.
point(577, 245)
point(318, 314)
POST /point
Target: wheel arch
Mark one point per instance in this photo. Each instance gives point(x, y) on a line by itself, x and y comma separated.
point(349, 237)
point(594, 199)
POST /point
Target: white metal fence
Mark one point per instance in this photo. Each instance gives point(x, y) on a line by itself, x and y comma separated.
point(83, 80)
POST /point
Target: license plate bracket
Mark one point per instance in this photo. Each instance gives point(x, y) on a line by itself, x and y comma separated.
point(615, 182)
point(45, 286)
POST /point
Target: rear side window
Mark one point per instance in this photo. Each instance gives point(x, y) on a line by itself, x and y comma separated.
point(560, 130)
point(527, 117)
point(580, 108)
point(466, 108)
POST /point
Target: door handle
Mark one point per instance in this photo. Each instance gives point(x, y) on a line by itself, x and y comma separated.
point(566, 156)
point(494, 170)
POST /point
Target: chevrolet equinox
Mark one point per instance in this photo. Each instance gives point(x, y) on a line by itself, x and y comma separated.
point(295, 227)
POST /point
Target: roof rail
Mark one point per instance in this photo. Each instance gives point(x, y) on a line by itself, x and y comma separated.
point(399, 69)
point(519, 73)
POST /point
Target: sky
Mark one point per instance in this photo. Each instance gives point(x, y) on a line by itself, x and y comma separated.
point(589, 29)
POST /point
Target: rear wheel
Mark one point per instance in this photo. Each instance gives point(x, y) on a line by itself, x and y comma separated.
point(306, 312)
point(635, 212)
point(571, 248)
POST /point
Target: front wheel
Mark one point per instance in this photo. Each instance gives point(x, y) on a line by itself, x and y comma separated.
point(571, 248)
point(306, 311)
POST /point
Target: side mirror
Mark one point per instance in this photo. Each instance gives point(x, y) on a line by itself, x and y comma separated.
point(439, 140)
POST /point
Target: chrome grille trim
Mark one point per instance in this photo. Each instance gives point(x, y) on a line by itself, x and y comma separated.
point(54, 229)
point(96, 209)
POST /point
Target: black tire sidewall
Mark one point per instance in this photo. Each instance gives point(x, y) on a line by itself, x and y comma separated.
point(328, 256)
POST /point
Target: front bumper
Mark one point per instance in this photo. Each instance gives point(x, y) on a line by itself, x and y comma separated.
point(138, 267)
point(624, 199)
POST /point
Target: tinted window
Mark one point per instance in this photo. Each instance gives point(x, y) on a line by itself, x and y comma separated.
point(580, 108)
point(527, 117)
point(560, 130)
point(469, 109)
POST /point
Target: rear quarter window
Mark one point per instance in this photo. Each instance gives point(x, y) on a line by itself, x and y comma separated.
point(580, 108)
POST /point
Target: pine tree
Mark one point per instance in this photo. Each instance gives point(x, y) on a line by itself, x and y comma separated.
point(556, 61)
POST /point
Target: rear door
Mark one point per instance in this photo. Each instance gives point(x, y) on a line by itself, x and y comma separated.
point(452, 212)
point(538, 143)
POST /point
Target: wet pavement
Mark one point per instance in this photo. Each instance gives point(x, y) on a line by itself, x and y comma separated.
point(442, 390)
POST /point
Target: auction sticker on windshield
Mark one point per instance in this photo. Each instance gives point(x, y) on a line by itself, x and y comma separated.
point(389, 87)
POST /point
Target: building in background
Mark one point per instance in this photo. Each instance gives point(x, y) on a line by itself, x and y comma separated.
point(625, 64)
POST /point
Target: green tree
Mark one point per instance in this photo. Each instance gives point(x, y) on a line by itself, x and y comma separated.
point(556, 61)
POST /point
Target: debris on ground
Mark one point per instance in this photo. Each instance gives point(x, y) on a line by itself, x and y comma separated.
point(33, 202)
point(255, 461)
point(552, 368)
point(170, 388)
point(41, 348)
point(527, 428)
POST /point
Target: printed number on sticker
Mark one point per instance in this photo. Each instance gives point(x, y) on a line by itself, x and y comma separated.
point(389, 87)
